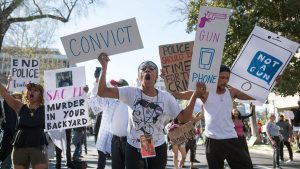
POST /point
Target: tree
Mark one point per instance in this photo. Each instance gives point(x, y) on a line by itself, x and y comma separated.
point(28, 39)
point(19, 11)
point(278, 16)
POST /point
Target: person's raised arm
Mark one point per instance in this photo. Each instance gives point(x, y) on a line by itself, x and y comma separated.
point(103, 90)
point(11, 101)
point(186, 114)
point(198, 117)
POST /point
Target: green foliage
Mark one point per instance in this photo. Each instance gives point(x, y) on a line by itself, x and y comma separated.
point(278, 16)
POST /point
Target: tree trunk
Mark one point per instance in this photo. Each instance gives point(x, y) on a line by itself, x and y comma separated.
point(253, 125)
point(3, 28)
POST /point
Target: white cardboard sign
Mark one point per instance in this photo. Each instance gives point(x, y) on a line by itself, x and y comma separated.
point(112, 39)
point(23, 71)
point(263, 57)
point(65, 100)
point(208, 46)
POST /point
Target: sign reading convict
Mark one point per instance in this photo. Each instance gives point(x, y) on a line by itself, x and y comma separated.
point(112, 39)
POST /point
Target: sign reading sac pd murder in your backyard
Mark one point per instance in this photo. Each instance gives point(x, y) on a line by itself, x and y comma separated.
point(23, 71)
point(208, 46)
point(176, 64)
point(263, 57)
point(112, 39)
point(65, 99)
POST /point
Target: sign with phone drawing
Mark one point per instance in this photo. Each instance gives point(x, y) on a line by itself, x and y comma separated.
point(263, 57)
point(208, 47)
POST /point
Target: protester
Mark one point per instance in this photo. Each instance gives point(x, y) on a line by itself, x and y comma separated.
point(119, 126)
point(287, 134)
point(191, 144)
point(296, 124)
point(30, 141)
point(9, 127)
point(238, 121)
point(104, 136)
point(273, 135)
point(149, 109)
point(77, 141)
point(177, 147)
point(221, 138)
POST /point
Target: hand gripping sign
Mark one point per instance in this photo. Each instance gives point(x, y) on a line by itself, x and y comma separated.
point(263, 57)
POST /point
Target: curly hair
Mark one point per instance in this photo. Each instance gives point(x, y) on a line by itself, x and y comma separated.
point(30, 86)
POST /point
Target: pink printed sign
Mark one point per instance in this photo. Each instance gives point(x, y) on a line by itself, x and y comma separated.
point(65, 99)
point(208, 47)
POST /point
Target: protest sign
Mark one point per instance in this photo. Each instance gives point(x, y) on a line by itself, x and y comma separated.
point(263, 57)
point(208, 47)
point(176, 63)
point(112, 39)
point(65, 100)
point(182, 134)
point(23, 71)
point(289, 114)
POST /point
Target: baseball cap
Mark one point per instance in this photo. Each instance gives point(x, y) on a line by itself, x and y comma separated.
point(119, 83)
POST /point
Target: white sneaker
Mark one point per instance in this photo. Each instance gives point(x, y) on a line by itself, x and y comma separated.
point(289, 161)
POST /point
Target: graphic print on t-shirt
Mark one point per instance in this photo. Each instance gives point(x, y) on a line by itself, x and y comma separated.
point(146, 115)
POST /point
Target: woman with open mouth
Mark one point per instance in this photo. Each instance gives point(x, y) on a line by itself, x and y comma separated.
point(30, 144)
point(149, 108)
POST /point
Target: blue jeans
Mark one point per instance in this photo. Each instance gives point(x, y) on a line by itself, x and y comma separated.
point(77, 150)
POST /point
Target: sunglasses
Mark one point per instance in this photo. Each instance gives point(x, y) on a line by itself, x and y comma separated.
point(148, 64)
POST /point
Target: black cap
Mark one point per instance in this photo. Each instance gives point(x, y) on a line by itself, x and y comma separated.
point(97, 72)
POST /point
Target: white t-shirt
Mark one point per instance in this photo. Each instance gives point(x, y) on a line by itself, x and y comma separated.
point(147, 115)
point(217, 113)
point(119, 121)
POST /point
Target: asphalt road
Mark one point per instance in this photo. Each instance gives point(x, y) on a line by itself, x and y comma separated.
point(261, 158)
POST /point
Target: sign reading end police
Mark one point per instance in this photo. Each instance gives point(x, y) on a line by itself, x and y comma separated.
point(23, 71)
point(112, 39)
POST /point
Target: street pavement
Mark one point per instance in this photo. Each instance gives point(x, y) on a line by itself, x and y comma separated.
point(261, 157)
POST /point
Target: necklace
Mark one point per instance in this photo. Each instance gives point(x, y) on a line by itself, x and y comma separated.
point(32, 112)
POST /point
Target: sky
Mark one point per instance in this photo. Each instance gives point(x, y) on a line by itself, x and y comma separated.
point(154, 22)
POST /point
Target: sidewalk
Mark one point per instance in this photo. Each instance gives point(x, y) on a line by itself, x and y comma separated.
point(267, 149)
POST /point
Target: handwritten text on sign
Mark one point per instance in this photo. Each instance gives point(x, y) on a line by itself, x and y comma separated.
point(112, 39)
point(65, 104)
point(23, 71)
point(176, 62)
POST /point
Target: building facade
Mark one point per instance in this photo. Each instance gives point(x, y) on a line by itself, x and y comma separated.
point(48, 61)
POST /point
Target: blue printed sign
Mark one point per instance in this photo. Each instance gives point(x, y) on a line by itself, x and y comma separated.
point(264, 66)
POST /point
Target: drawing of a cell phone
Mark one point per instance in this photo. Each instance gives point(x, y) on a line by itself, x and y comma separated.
point(206, 57)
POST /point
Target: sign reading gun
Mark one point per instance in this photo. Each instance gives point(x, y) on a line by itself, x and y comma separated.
point(210, 16)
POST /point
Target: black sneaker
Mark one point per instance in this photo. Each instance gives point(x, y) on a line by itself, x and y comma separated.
point(196, 161)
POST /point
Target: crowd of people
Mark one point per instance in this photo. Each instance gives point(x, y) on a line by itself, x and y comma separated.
point(131, 127)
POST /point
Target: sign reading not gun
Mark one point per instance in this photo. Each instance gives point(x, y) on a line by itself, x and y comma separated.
point(182, 134)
